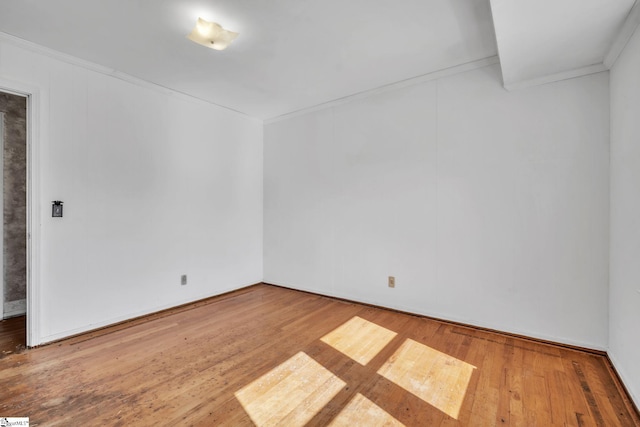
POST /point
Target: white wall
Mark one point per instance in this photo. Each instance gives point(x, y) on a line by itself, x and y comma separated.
point(154, 185)
point(489, 207)
point(624, 327)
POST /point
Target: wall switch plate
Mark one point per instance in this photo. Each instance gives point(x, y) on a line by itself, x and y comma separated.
point(392, 282)
point(56, 209)
point(183, 279)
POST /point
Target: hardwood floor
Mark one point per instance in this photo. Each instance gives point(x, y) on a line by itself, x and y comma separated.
point(13, 335)
point(271, 356)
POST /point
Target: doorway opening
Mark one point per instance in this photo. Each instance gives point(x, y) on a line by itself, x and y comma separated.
point(13, 221)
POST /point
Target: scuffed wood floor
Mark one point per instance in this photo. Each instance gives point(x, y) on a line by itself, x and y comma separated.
point(270, 356)
point(13, 335)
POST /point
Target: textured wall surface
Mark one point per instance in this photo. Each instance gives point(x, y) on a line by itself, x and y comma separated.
point(624, 284)
point(489, 207)
point(15, 180)
point(155, 185)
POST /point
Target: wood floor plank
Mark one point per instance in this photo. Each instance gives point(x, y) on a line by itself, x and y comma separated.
point(13, 335)
point(190, 365)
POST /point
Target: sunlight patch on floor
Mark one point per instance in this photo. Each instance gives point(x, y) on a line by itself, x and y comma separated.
point(360, 411)
point(290, 394)
point(435, 377)
point(359, 339)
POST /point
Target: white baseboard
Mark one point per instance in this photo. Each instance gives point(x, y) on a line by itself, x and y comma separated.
point(111, 321)
point(626, 379)
point(15, 308)
point(446, 317)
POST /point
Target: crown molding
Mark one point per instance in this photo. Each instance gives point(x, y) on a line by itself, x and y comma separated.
point(551, 78)
point(469, 66)
point(627, 30)
point(88, 65)
point(111, 72)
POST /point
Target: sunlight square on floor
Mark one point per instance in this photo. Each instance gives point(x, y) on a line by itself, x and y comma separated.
point(291, 393)
point(435, 377)
point(359, 339)
point(360, 411)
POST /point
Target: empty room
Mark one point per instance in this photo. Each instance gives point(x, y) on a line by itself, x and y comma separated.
point(344, 213)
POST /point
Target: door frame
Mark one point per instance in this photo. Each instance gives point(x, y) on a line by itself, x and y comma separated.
point(32, 93)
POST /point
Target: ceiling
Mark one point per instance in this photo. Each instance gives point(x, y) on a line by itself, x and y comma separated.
point(295, 54)
point(544, 38)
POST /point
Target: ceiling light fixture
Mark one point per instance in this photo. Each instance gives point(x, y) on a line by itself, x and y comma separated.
point(211, 34)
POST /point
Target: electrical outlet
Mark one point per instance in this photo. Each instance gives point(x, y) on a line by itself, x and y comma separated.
point(392, 282)
point(183, 279)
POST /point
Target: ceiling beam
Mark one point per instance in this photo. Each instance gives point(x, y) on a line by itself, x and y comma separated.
point(624, 35)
